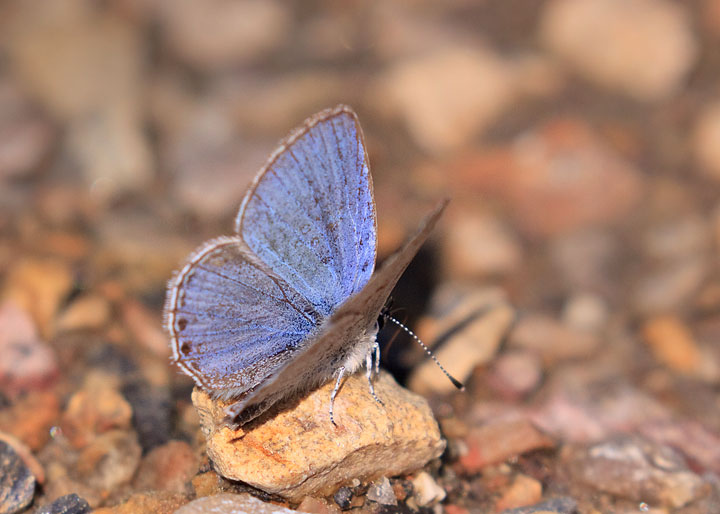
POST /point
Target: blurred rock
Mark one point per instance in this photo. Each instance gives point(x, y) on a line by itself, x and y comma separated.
point(669, 285)
point(672, 343)
point(446, 97)
point(551, 340)
point(68, 504)
point(211, 159)
point(30, 418)
point(314, 505)
point(523, 491)
point(17, 484)
point(25, 135)
point(585, 260)
point(145, 328)
point(705, 137)
point(167, 468)
point(24, 452)
point(231, 504)
point(223, 34)
point(153, 412)
point(515, 374)
point(380, 491)
point(281, 455)
point(426, 491)
point(636, 469)
point(88, 311)
point(28, 363)
point(562, 505)
point(109, 461)
point(139, 245)
point(699, 444)
point(470, 330)
point(97, 408)
point(38, 286)
point(85, 66)
point(500, 440)
point(155, 502)
point(678, 237)
point(586, 312)
point(554, 179)
point(478, 246)
point(602, 41)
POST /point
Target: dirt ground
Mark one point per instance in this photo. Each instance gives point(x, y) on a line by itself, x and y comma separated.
point(573, 283)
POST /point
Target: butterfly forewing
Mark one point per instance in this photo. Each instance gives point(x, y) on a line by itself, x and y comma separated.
point(231, 320)
point(310, 214)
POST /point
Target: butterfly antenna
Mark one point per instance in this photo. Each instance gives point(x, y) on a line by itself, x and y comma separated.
point(412, 334)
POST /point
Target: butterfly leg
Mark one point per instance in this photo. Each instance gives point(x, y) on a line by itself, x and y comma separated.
point(369, 371)
point(376, 349)
point(338, 383)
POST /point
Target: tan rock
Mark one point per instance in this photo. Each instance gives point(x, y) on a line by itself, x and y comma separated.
point(167, 468)
point(705, 138)
point(523, 491)
point(478, 324)
point(552, 340)
point(299, 452)
point(448, 96)
point(603, 40)
point(38, 286)
point(86, 312)
point(94, 409)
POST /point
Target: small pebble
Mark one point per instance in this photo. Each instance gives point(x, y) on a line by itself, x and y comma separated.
point(17, 483)
point(636, 469)
point(563, 505)
point(227, 503)
point(167, 468)
point(672, 343)
point(500, 440)
point(343, 497)
point(96, 408)
point(523, 490)
point(313, 505)
point(68, 504)
point(515, 374)
point(382, 492)
point(426, 491)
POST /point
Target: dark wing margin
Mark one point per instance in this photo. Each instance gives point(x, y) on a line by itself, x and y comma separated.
point(310, 213)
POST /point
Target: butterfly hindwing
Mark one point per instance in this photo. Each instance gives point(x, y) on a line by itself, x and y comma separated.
point(232, 322)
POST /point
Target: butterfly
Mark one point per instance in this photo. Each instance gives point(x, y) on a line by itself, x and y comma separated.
point(290, 300)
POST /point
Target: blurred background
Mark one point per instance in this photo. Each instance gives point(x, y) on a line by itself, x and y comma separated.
point(574, 279)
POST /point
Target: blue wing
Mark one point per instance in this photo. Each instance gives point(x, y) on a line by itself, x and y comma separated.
point(231, 320)
point(310, 214)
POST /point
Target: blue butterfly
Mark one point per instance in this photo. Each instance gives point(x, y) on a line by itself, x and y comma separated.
point(290, 300)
